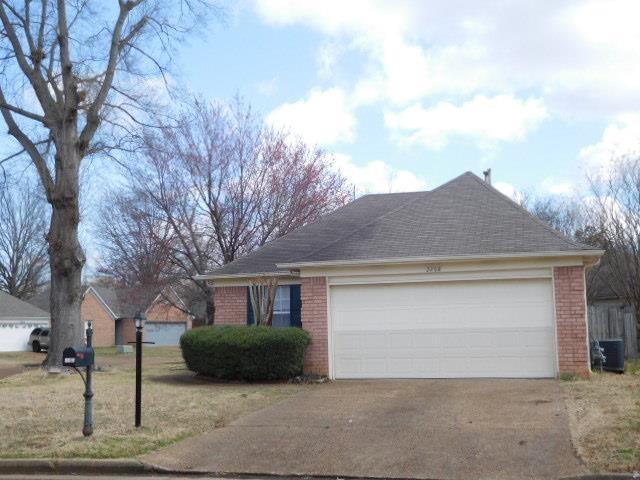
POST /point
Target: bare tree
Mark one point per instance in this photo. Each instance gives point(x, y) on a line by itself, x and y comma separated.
point(23, 248)
point(225, 184)
point(577, 220)
point(562, 213)
point(617, 204)
point(262, 294)
point(135, 242)
point(74, 77)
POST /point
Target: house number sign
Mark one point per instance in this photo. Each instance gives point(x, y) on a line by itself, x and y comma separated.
point(433, 268)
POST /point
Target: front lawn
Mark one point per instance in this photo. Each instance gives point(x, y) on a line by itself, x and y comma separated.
point(42, 415)
point(604, 415)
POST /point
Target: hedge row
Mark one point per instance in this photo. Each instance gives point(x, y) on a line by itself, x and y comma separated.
point(245, 353)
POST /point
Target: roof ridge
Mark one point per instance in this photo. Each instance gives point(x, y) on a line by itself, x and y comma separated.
point(511, 202)
point(393, 193)
point(418, 197)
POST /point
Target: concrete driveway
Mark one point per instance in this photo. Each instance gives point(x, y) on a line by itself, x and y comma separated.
point(436, 429)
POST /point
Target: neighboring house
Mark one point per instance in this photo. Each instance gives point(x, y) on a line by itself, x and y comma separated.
point(165, 321)
point(112, 311)
point(17, 320)
point(459, 281)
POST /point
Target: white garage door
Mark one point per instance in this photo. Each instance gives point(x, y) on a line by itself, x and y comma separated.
point(14, 335)
point(501, 328)
point(164, 333)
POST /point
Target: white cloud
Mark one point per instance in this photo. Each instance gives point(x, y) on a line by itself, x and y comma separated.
point(324, 117)
point(327, 58)
point(619, 140)
point(557, 187)
point(582, 55)
point(509, 190)
point(487, 120)
point(378, 176)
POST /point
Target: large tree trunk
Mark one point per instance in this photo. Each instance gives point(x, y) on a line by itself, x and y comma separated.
point(66, 260)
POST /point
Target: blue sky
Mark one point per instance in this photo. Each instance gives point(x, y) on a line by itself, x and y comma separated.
point(408, 94)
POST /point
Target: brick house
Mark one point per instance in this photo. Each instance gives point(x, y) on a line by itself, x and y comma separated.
point(459, 281)
point(112, 311)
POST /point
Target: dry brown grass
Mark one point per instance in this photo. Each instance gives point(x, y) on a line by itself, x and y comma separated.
point(604, 414)
point(41, 414)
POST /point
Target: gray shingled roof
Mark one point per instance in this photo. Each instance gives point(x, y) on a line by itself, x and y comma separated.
point(12, 308)
point(42, 299)
point(122, 302)
point(126, 302)
point(463, 217)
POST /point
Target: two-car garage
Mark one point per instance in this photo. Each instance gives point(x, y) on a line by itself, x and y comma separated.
point(443, 329)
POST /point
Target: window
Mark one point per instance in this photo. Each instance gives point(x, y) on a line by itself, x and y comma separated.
point(283, 316)
point(282, 307)
point(45, 333)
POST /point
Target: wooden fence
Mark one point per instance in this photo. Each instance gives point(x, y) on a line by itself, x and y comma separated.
point(606, 321)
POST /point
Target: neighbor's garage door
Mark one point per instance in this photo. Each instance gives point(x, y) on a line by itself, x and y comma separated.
point(164, 333)
point(14, 335)
point(501, 328)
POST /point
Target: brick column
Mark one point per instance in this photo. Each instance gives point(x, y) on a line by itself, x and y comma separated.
point(571, 320)
point(231, 305)
point(313, 293)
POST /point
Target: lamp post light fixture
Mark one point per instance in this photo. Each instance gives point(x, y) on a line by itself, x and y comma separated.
point(139, 320)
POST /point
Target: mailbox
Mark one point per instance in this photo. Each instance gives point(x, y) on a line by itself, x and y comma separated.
point(77, 357)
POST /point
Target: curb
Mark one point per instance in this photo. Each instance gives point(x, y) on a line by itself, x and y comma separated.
point(605, 476)
point(73, 466)
point(136, 467)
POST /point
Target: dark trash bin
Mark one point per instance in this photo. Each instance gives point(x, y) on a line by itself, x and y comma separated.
point(614, 353)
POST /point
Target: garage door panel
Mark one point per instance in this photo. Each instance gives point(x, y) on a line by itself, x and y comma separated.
point(164, 333)
point(401, 340)
point(484, 334)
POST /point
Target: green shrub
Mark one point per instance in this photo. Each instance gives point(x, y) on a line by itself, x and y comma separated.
point(245, 353)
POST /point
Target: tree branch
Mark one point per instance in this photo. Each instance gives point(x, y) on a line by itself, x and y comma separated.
point(93, 113)
point(28, 145)
point(24, 113)
point(33, 75)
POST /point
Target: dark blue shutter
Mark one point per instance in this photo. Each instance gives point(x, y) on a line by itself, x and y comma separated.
point(295, 304)
point(250, 319)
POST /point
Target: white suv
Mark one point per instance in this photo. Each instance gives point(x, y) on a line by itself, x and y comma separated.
point(39, 339)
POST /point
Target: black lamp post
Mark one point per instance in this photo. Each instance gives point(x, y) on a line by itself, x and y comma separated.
point(139, 321)
point(87, 430)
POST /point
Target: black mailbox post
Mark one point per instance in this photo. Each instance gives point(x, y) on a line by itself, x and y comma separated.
point(76, 357)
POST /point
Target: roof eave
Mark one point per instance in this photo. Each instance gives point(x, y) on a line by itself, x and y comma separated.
point(102, 300)
point(12, 318)
point(230, 276)
point(454, 258)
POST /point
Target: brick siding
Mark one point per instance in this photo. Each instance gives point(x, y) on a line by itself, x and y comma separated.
point(571, 320)
point(231, 305)
point(164, 311)
point(128, 326)
point(313, 294)
point(104, 329)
